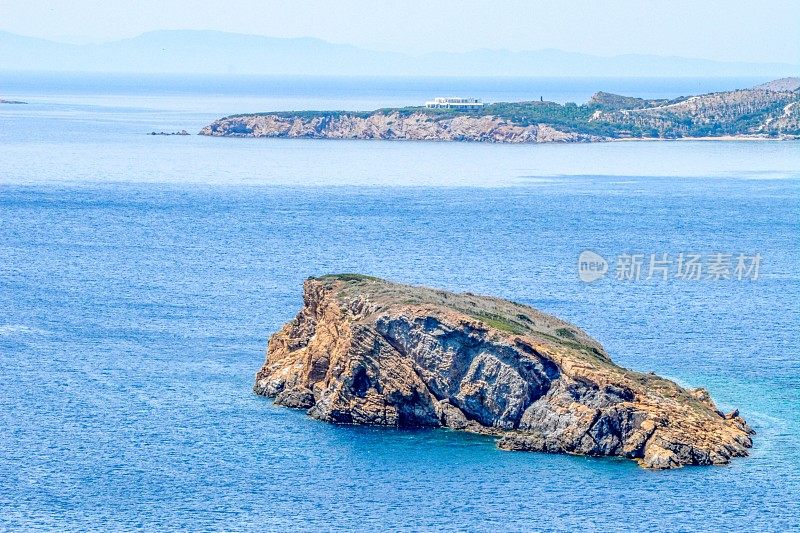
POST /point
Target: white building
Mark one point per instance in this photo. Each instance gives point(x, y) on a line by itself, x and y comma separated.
point(451, 103)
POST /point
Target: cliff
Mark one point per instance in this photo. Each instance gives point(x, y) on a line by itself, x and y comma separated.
point(392, 125)
point(366, 351)
point(767, 111)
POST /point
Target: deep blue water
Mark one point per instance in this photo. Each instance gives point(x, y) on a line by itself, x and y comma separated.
point(140, 278)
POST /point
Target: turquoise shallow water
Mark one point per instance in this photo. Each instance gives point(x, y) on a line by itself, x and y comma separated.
point(140, 279)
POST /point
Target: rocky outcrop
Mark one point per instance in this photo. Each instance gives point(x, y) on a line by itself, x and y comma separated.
point(366, 351)
point(169, 133)
point(392, 125)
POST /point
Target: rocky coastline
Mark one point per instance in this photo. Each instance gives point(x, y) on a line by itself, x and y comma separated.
point(367, 351)
point(769, 111)
point(393, 125)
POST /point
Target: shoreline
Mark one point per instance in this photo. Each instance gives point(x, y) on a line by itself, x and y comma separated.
point(721, 138)
point(728, 138)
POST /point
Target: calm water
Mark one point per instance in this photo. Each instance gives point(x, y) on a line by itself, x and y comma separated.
point(141, 276)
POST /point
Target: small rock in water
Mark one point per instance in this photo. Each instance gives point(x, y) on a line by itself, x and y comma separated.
point(182, 132)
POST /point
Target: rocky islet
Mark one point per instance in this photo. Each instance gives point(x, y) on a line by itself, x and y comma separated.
point(366, 351)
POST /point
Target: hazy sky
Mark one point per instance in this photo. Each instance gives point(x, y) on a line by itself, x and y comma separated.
point(737, 30)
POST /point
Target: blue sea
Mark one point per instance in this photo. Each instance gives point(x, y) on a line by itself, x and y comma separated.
point(141, 276)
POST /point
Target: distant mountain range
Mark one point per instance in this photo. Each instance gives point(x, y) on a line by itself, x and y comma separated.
point(212, 52)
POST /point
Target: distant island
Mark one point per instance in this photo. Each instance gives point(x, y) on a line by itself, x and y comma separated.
point(11, 101)
point(363, 350)
point(768, 111)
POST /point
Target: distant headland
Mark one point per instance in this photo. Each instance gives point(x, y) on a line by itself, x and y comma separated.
point(767, 111)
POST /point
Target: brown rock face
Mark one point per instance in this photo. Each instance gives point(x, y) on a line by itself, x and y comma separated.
point(366, 351)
